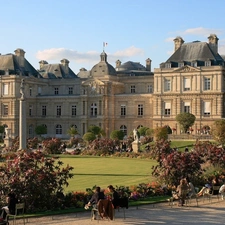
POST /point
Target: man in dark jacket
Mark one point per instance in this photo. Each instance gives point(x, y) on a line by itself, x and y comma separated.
point(94, 200)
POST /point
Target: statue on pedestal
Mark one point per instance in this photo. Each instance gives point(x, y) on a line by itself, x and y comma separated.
point(135, 135)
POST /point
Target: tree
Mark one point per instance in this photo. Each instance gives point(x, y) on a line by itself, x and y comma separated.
point(97, 131)
point(142, 131)
point(161, 133)
point(37, 180)
point(89, 136)
point(186, 120)
point(72, 131)
point(218, 131)
point(40, 129)
point(117, 135)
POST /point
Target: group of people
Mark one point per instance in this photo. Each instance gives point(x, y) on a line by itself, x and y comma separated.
point(99, 194)
point(10, 208)
point(186, 189)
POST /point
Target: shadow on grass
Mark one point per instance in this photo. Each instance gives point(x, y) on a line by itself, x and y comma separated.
point(107, 174)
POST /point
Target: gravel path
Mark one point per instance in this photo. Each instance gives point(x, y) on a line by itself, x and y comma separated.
point(162, 213)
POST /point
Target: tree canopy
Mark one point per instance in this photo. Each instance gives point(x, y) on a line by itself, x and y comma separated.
point(40, 129)
point(218, 131)
point(117, 135)
point(186, 120)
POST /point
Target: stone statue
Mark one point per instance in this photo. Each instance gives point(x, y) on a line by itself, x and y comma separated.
point(22, 89)
point(135, 133)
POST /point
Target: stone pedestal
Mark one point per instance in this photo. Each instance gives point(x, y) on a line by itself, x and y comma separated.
point(135, 146)
point(8, 142)
point(7, 139)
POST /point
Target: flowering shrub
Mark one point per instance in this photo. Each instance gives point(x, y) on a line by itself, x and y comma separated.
point(52, 145)
point(37, 180)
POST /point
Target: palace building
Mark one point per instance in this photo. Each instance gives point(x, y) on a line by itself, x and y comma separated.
point(123, 97)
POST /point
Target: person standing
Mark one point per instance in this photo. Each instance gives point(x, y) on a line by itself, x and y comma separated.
point(115, 196)
point(182, 190)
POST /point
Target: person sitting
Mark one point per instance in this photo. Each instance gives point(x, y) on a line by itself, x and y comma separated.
point(206, 190)
point(115, 196)
point(222, 191)
point(191, 191)
point(11, 206)
point(94, 200)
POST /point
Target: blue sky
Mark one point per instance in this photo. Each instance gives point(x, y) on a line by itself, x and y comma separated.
point(134, 30)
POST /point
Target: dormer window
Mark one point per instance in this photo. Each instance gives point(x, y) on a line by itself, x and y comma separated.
point(208, 63)
point(180, 64)
point(168, 65)
point(194, 64)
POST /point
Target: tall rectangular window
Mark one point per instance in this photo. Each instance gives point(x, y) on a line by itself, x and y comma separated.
point(132, 89)
point(150, 89)
point(167, 111)
point(70, 90)
point(94, 110)
point(30, 91)
point(187, 107)
point(5, 89)
point(56, 91)
point(207, 84)
point(5, 110)
point(140, 110)
point(167, 85)
point(74, 110)
point(187, 84)
point(58, 110)
point(206, 108)
point(43, 110)
point(123, 110)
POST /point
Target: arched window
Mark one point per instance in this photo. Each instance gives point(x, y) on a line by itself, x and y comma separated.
point(58, 129)
point(124, 129)
point(94, 109)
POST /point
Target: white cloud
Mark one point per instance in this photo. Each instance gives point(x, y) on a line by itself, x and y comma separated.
point(201, 31)
point(90, 57)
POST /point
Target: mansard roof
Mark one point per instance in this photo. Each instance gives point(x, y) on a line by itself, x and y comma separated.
point(16, 64)
point(56, 71)
point(131, 66)
point(133, 69)
point(194, 51)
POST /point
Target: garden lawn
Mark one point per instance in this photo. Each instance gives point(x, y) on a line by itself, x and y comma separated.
point(181, 145)
point(103, 171)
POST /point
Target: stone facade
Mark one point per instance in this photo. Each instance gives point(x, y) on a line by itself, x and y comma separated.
point(120, 98)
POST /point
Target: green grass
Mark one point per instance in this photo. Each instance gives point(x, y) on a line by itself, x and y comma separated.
point(102, 171)
point(181, 145)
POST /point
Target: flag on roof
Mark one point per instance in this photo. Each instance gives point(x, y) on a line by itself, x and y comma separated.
point(105, 44)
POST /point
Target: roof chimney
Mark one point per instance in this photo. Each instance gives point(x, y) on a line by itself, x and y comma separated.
point(65, 63)
point(20, 53)
point(42, 63)
point(178, 41)
point(148, 64)
point(118, 63)
point(213, 43)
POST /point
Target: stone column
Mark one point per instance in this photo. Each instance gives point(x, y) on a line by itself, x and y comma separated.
point(22, 119)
